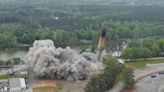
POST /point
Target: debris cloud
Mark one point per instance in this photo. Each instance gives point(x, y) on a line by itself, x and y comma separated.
point(50, 62)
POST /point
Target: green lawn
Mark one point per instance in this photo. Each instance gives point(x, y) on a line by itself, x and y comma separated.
point(143, 63)
point(6, 76)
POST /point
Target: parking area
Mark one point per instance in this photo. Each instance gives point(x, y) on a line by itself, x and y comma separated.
point(152, 83)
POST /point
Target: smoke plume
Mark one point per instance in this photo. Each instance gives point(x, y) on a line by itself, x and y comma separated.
point(50, 62)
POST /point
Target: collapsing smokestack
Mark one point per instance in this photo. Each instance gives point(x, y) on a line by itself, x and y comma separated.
point(101, 42)
point(49, 62)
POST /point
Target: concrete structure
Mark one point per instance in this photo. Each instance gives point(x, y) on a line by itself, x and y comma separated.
point(17, 84)
point(101, 42)
point(44, 86)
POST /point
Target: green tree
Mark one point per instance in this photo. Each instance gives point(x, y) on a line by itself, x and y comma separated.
point(8, 62)
point(160, 43)
point(127, 77)
point(148, 43)
point(155, 50)
point(44, 33)
point(136, 53)
point(7, 40)
point(16, 61)
point(128, 53)
point(146, 53)
point(1, 62)
point(62, 37)
point(134, 44)
point(106, 80)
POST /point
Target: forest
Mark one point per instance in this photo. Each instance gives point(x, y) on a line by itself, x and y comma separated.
point(73, 22)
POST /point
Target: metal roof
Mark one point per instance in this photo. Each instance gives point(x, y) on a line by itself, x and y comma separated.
point(16, 84)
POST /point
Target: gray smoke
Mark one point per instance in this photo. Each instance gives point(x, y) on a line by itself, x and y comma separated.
point(50, 62)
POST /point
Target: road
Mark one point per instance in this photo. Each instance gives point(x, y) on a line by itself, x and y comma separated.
point(140, 74)
point(153, 58)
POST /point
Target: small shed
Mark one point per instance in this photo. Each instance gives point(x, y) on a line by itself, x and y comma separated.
point(44, 86)
point(17, 84)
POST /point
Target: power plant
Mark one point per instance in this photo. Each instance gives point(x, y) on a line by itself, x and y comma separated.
point(44, 61)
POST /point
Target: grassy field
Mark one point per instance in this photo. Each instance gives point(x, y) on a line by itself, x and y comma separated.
point(6, 76)
point(143, 63)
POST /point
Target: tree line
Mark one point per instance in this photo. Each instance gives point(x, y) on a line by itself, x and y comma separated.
point(14, 61)
point(16, 33)
point(27, 21)
point(145, 48)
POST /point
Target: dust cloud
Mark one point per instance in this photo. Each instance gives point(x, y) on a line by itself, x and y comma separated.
point(49, 62)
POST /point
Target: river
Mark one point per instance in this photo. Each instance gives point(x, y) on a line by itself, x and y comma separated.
point(20, 52)
point(10, 53)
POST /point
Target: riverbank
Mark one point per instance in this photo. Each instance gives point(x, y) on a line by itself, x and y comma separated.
point(23, 45)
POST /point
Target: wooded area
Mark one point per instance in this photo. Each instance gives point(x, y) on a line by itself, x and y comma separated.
point(70, 22)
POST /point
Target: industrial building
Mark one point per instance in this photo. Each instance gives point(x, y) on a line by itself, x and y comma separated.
point(17, 84)
point(44, 86)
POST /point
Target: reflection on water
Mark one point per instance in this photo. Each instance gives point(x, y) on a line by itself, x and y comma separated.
point(9, 53)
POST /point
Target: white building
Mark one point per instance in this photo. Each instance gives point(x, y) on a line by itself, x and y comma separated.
point(17, 84)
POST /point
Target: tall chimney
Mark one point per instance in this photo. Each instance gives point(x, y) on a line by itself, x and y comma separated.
point(101, 42)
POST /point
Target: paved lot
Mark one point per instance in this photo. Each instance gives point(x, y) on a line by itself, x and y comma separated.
point(139, 74)
point(149, 84)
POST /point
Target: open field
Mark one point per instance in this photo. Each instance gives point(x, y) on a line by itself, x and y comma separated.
point(143, 63)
